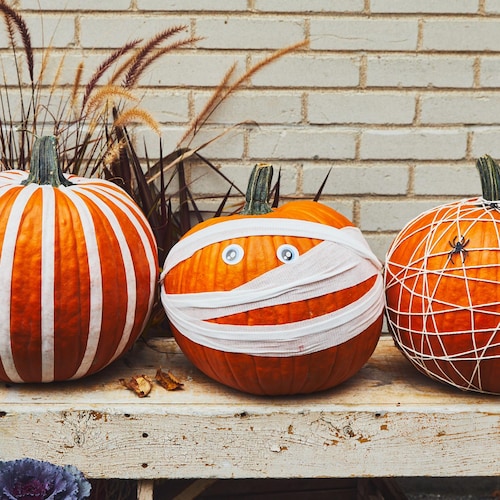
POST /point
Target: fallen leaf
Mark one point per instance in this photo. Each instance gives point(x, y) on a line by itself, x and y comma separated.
point(140, 384)
point(168, 380)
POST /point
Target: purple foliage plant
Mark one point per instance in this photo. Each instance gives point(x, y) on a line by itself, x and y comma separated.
point(30, 479)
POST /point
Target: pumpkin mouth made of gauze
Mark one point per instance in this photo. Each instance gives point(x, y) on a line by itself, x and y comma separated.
point(342, 260)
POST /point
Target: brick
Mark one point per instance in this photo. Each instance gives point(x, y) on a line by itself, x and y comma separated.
point(490, 71)
point(379, 244)
point(56, 31)
point(9, 72)
point(206, 182)
point(65, 66)
point(311, 6)
point(492, 6)
point(310, 70)
point(393, 215)
point(192, 5)
point(461, 35)
point(344, 207)
point(357, 179)
point(419, 71)
point(99, 30)
point(191, 69)
point(148, 139)
point(231, 32)
point(269, 107)
point(361, 107)
point(12, 97)
point(486, 141)
point(65, 5)
point(228, 146)
point(419, 144)
point(424, 6)
point(301, 143)
point(470, 108)
point(351, 33)
point(460, 179)
point(166, 106)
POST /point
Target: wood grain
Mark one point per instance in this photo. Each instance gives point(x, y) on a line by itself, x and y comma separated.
point(388, 420)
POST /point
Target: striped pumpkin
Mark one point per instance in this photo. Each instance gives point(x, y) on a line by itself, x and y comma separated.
point(78, 267)
point(275, 302)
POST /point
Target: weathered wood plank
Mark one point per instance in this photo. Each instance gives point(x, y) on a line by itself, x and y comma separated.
point(388, 420)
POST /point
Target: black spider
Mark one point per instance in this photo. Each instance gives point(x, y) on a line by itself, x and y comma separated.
point(458, 246)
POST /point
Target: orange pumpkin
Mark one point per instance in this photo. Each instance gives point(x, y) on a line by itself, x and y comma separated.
point(274, 302)
point(442, 279)
point(78, 271)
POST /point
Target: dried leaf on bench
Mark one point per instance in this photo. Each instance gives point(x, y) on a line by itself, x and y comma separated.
point(140, 384)
point(168, 381)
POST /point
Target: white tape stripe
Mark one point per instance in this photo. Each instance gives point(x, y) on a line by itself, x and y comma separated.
point(13, 177)
point(6, 269)
point(348, 236)
point(95, 277)
point(48, 277)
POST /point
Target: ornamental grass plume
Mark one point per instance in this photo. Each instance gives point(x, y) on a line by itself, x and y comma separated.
point(30, 479)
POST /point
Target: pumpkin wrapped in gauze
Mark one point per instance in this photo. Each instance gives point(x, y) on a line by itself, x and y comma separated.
point(282, 302)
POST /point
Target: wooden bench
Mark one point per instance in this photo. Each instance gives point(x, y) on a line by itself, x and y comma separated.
point(388, 420)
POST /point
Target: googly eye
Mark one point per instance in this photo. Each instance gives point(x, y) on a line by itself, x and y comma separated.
point(287, 253)
point(232, 254)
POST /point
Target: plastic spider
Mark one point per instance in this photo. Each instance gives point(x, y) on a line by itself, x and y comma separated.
point(458, 247)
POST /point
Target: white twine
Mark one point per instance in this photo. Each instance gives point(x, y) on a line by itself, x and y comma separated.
point(342, 260)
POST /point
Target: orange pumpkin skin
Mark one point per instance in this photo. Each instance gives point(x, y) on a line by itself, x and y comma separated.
point(443, 300)
point(78, 274)
point(271, 375)
point(275, 376)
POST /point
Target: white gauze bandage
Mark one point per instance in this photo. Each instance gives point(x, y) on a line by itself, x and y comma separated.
point(342, 260)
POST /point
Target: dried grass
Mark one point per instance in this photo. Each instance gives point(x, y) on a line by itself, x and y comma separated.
point(137, 115)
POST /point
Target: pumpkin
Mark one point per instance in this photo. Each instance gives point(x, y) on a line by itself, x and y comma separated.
point(78, 266)
point(442, 280)
point(274, 301)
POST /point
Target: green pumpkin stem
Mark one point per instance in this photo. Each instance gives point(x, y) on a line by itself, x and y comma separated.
point(257, 195)
point(44, 164)
point(489, 172)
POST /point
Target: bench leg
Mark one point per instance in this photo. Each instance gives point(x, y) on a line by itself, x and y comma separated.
point(195, 489)
point(145, 489)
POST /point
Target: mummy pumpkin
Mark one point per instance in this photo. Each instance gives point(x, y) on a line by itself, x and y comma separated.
point(78, 271)
point(275, 302)
point(442, 279)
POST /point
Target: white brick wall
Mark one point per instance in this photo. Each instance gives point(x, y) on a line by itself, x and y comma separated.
point(397, 97)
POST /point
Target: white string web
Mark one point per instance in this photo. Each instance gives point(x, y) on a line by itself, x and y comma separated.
point(442, 278)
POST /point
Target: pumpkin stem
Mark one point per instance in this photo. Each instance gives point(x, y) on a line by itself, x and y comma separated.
point(489, 172)
point(257, 195)
point(44, 164)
